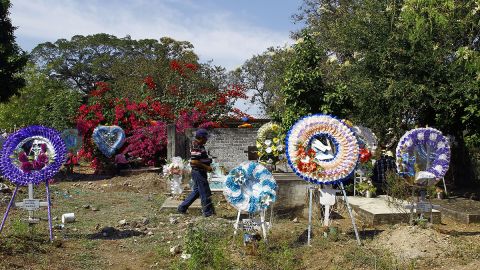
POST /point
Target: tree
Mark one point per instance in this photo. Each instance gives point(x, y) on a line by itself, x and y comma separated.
point(403, 64)
point(12, 58)
point(263, 74)
point(84, 60)
point(40, 102)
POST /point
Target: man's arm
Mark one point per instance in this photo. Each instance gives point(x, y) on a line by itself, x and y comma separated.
point(199, 164)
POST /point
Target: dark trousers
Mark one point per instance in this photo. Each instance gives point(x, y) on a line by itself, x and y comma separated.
point(200, 189)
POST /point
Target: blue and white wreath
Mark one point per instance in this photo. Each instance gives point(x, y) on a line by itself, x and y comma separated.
point(423, 153)
point(250, 187)
point(28, 139)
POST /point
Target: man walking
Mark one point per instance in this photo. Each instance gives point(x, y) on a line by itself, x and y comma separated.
point(200, 163)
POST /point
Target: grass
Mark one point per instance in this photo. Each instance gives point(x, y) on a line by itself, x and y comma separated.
point(210, 242)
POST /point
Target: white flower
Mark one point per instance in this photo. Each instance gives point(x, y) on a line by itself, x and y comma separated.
point(268, 150)
point(268, 142)
point(269, 161)
point(280, 147)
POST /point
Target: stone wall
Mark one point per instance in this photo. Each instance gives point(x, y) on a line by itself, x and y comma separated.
point(229, 146)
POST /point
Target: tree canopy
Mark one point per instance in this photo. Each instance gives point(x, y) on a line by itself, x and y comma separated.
point(12, 58)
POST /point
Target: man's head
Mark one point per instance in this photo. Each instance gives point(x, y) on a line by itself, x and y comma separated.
point(201, 135)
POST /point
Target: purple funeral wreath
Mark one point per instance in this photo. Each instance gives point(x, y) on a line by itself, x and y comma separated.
point(427, 144)
point(47, 147)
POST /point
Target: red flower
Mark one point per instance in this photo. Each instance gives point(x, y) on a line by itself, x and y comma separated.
point(191, 66)
point(150, 83)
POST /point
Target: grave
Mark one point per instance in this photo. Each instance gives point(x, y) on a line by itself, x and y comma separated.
point(172, 203)
point(291, 194)
point(460, 209)
point(378, 211)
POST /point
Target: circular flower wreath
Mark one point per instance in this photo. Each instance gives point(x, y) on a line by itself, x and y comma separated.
point(15, 165)
point(270, 144)
point(250, 187)
point(413, 146)
point(366, 137)
point(316, 162)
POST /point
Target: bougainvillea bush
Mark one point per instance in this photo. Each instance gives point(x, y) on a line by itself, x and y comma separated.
point(188, 97)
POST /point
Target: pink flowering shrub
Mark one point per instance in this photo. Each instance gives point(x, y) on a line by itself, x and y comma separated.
point(147, 143)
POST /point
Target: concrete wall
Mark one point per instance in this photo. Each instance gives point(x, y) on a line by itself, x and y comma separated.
point(229, 146)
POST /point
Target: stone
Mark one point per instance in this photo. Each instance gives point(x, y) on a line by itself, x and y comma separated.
point(55, 218)
point(122, 222)
point(86, 206)
point(173, 220)
point(108, 231)
point(145, 221)
point(94, 209)
point(175, 250)
point(185, 256)
point(295, 220)
point(150, 233)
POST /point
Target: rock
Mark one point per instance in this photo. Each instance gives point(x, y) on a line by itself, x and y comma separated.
point(122, 222)
point(86, 206)
point(4, 188)
point(185, 256)
point(173, 220)
point(108, 231)
point(175, 250)
point(58, 227)
point(55, 218)
point(145, 221)
point(295, 220)
point(150, 233)
point(90, 183)
point(94, 209)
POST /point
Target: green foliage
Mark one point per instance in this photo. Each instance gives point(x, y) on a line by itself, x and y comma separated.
point(280, 257)
point(365, 186)
point(206, 250)
point(12, 58)
point(263, 74)
point(303, 89)
point(41, 102)
point(403, 63)
point(84, 60)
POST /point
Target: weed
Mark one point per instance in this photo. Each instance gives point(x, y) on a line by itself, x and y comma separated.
point(277, 257)
point(206, 249)
point(374, 259)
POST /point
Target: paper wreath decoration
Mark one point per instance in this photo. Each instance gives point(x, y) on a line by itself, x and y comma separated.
point(269, 143)
point(366, 137)
point(32, 155)
point(423, 153)
point(321, 149)
point(108, 139)
point(250, 187)
point(73, 140)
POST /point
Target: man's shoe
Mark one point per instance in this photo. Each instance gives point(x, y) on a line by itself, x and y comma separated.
point(181, 211)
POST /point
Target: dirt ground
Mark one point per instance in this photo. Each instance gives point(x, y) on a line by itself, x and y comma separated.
point(119, 225)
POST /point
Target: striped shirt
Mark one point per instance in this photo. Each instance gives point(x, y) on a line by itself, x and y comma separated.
point(198, 152)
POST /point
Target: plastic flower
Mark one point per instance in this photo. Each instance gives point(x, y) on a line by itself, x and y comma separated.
point(259, 145)
point(268, 142)
point(268, 150)
point(275, 140)
point(280, 148)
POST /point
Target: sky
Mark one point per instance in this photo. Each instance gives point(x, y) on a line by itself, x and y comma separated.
point(228, 32)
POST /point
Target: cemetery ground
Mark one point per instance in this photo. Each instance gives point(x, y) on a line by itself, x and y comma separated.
point(120, 225)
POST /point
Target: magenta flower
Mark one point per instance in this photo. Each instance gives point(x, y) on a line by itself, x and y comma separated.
point(22, 157)
point(26, 167)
